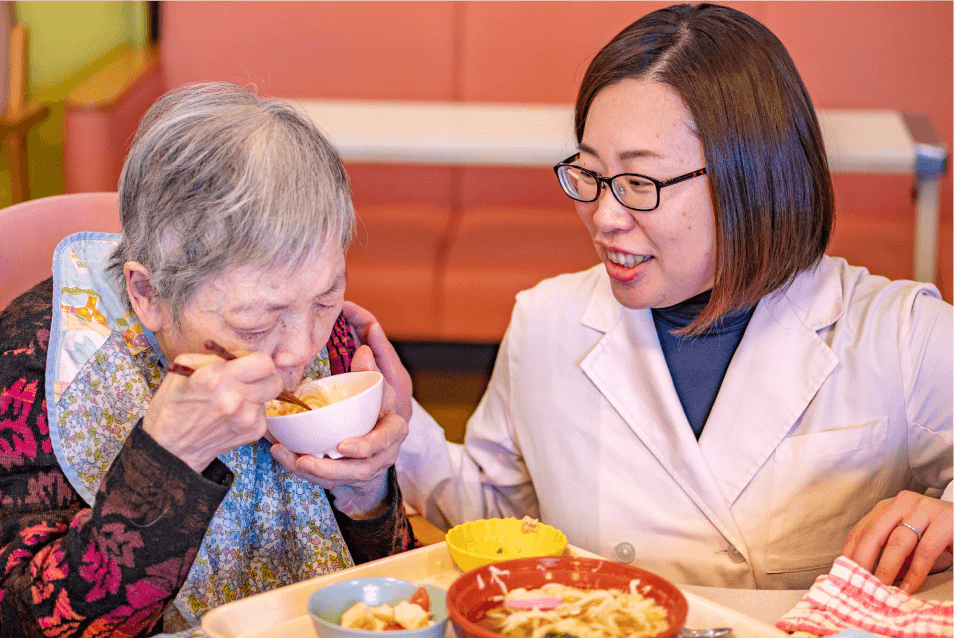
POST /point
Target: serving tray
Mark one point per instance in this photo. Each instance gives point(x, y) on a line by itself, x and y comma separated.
point(283, 611)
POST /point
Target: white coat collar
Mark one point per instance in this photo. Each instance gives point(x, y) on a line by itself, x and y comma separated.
point(815, 295)
point(754, 410)
point(777, 369)
point(603, 311)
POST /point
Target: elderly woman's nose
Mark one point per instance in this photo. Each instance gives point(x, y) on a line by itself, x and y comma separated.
point(297, 348)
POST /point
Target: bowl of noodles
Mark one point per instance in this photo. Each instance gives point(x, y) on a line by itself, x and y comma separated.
point(576, 596)
point(491, 540)
point(343, 406)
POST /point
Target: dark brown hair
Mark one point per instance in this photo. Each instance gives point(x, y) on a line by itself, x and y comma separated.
point(768, 173)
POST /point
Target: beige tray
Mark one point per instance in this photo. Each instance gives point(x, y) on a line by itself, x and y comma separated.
point(283, 612)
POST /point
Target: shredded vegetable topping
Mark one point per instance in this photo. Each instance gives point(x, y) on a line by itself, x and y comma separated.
point(598, 613)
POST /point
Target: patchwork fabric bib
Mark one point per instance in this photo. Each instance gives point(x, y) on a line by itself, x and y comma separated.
point(103, 367)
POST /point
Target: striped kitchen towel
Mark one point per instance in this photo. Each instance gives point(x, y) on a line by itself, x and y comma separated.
point(851, 597)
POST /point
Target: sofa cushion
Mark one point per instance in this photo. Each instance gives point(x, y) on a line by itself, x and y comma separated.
point(495, 253)
point(393, 265)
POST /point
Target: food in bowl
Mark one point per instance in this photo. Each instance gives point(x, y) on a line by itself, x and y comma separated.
point(528, 524)
point(490, 540)
point(313, 397)
point(580, 612)
point(414, 613)
point(327, 605)
point(353, 402)
point(517, 598)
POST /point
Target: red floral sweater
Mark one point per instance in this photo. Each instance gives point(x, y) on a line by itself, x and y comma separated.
point(69, 569)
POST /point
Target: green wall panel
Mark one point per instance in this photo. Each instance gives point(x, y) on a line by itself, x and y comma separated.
point(67, 39)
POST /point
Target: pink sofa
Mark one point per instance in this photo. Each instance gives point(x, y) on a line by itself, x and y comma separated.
point(441, 251)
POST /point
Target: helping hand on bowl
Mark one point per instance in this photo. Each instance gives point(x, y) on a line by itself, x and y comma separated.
point(359, 480)
point(386, 359)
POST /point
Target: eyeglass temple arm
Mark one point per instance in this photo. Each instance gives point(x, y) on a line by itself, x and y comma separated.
point(682, 178)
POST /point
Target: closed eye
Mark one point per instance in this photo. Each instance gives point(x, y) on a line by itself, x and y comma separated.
point(324, 307)
point(252, 335)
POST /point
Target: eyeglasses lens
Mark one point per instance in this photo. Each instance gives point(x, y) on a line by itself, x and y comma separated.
point(635, 192)
point(629, 189)
point(577, 184)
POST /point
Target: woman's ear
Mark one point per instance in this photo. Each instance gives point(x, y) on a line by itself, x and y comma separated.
point(150, 312)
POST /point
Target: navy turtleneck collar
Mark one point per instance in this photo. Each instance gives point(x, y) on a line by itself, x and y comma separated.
point(698, 363)
point(685, 312)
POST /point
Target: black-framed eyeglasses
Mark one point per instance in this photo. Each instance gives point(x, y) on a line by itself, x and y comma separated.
point(634, 191)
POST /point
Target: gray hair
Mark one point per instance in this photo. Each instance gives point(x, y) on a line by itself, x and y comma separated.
point(219, 177)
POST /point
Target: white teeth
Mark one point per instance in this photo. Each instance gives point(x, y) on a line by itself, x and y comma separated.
point(626, 260)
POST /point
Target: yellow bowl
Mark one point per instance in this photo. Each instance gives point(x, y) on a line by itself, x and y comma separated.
point(491, 540)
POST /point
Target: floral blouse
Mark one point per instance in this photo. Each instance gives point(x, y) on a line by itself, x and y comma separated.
point(69, 569)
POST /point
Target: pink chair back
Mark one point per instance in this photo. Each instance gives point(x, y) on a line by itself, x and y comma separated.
point(30, 232)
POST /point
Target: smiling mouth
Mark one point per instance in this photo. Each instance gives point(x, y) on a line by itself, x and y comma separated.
point(626, 260)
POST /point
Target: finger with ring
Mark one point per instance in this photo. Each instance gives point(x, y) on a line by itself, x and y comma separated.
point(912, 528)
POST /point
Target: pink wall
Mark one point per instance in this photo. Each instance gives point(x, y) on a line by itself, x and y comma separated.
point(357, 50)
point(893, 55)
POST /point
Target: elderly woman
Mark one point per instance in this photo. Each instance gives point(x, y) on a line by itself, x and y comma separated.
point(718, 401)
point(126, 488)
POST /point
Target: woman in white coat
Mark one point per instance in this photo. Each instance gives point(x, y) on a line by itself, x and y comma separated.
point(718, 401)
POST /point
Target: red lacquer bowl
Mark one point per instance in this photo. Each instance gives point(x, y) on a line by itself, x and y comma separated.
point(468, 604)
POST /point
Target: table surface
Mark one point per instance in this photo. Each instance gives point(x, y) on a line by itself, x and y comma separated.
point(768, 605)
point(424, 531)
point(449, 133)
point(540, 135)
point(283, 611)
point(765, 605)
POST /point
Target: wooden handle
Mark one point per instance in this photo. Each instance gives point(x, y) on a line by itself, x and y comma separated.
point(216, 349)
point(18, 67)
point(178, 368)
point(186, 371)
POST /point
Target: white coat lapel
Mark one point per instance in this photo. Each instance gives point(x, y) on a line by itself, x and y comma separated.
point(619, 366)
point(777, 369)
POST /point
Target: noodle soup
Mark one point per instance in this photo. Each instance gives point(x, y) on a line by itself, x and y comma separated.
point(583, 613)
point(313, 397)
point(353, 405)
point(533, 597)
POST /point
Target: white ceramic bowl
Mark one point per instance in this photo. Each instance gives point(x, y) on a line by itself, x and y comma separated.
point(318, 432)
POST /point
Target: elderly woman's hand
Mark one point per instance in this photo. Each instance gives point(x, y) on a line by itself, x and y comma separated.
point(358, 481)
point(928, 549)
point(216, 409)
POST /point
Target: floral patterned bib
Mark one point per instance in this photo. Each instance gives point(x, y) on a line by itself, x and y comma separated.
point(103, 367)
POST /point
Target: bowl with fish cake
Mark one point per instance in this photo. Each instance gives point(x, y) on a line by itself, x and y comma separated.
point(565, 595)
point(334, 606)
point(343, 406)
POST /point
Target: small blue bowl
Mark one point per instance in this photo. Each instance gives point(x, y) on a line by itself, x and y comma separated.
point(326, 605)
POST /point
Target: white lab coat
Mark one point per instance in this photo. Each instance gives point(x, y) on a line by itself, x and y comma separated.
point(839, 395)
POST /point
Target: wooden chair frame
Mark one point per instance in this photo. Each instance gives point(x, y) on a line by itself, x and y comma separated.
point(19, 117)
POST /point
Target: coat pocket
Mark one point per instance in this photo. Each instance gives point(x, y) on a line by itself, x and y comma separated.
point(822, 484)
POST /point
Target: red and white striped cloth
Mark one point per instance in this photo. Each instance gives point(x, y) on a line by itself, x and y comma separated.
point(849, 596)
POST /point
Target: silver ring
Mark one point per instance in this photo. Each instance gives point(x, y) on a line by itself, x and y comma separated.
point(912, 528)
